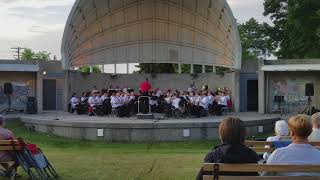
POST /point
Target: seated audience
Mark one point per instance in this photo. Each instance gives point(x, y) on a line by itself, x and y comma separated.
point(232, 149)
point(6, 156)
point(315, 135)
point(300, 152)
point(282, 131)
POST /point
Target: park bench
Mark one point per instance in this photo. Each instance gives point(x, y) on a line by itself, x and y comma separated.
point(9, 146)
point(265, 146)
point(215, 170)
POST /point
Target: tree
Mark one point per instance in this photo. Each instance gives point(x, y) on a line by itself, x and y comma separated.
point(27, 54)
point(86, 69)
point(42, 55)
point(296, 29)
point(255, 40)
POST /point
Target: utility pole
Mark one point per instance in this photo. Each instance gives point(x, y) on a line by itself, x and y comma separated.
point(17, 50)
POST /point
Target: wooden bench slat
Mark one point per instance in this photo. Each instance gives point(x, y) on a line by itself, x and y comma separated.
point(266, 143)
point(261, 167)
point(8, 142)
point(9, 148)
point(210, 177)
point(262, 149)
point(257, 143)
point(315, 143)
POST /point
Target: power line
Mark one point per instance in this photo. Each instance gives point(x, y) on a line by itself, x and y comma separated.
point(18, 51)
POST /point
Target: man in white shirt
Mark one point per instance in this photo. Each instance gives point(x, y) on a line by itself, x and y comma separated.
point(300, 152)
point(315, 135)
point(98, 99)
point(204, 102)
point(210, 98)
point(117, 104)
point(84, 97)
point(175, 102)
point(74, 101)
point(104, 97)
point(222, 102)
point(92, 99)
point(223, 99)
point(116, 101)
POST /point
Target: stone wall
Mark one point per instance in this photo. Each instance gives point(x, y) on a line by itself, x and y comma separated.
point(79, 82)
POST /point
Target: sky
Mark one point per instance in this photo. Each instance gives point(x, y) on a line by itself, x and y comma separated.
point(39, 24)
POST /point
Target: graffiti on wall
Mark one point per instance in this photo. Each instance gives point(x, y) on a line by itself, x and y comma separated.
point(21, 91)
point(293, 92)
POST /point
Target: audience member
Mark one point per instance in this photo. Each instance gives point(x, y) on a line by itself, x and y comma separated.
point(6, 156)
point(282, 131)
point(315, 135)
point(300, 152)
point(232, 149)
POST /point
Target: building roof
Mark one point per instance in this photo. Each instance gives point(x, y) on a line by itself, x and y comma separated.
point(291, 67)
point(130, 31)
point(19, 67)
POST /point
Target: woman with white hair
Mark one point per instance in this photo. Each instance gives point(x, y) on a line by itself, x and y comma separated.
point(282, 131)
point(315, 135)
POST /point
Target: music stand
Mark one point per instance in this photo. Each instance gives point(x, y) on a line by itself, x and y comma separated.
point(279, 100)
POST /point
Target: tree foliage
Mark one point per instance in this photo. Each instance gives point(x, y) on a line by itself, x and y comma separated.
point(156, 68)
point(28, 54)
point(86, 69)
point(296, 29)
point(255, 40)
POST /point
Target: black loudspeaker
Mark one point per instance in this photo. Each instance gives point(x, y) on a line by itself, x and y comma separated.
point(31, 105)
point(7, 88)
point(309, 89)
point(278, 99)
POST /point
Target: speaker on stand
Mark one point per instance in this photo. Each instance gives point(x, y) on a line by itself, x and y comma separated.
point(8, 90)
point(309, 91)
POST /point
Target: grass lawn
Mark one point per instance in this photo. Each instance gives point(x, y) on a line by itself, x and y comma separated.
point(76, 159)
point(92, 160)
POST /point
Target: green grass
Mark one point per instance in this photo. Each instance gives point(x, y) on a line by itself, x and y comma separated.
point(77, 159)
point(95, 160)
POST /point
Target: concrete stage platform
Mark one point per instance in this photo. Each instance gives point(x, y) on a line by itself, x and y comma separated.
point(111, 128)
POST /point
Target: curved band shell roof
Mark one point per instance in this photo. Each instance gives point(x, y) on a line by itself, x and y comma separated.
point(151, 31)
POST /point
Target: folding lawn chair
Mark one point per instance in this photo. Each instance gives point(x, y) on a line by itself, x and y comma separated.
point(35, 163)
